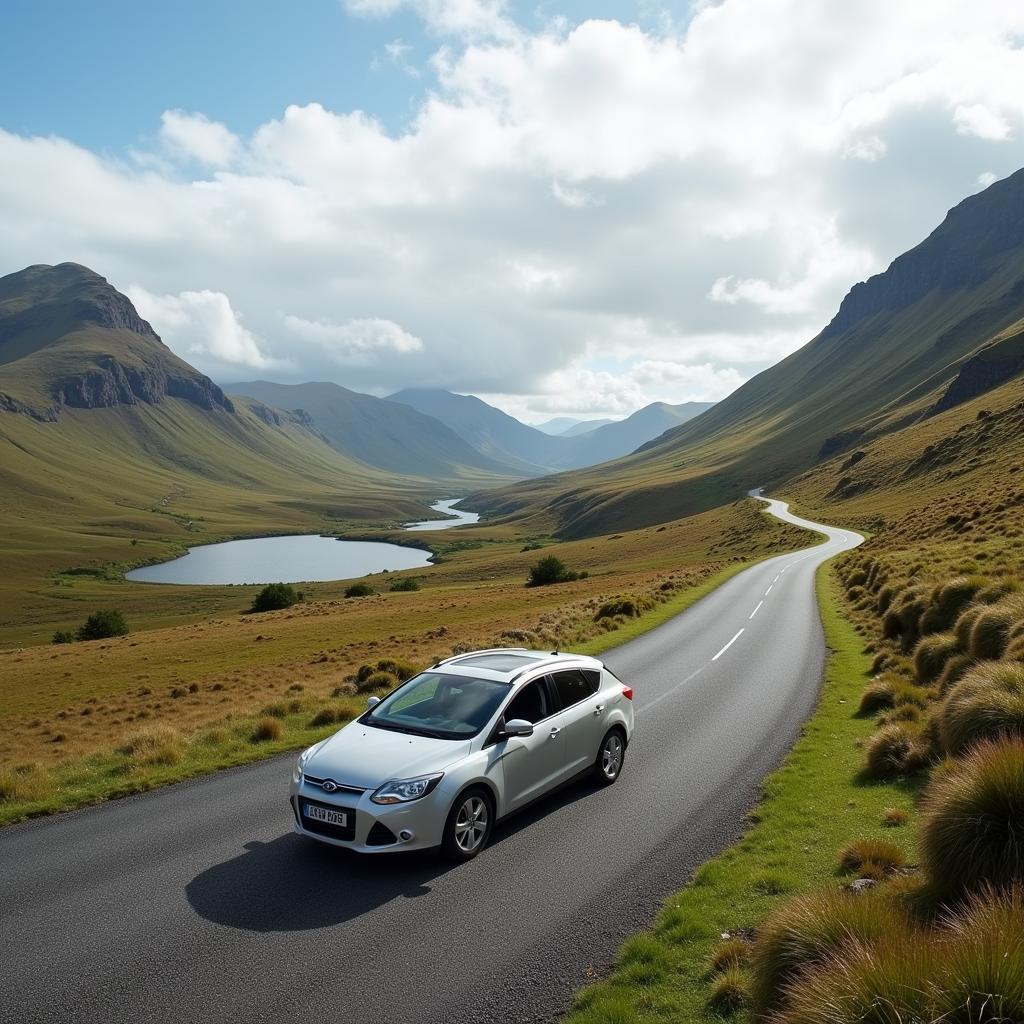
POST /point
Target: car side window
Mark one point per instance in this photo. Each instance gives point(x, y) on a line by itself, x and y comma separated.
point(571, 687)
point(530, 704)
point(593, 679)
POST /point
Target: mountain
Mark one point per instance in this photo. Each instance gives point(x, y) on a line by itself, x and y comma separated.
point(894, 349)
point(487, 429)
point(558, 425)
point(582, 427)
point(620, 437)
point(70, 340)
point(386, 434)
point(513, 443)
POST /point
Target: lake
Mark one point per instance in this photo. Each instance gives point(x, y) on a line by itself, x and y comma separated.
point(303, 558)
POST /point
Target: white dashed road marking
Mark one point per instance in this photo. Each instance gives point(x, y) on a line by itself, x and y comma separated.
point(727, 646)
point(757, 609)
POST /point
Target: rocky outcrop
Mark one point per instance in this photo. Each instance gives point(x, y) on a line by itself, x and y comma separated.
point(108, 383)
point(8, 404)
point(989, 368)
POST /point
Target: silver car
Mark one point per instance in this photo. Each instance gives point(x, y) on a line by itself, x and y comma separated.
point(445, 755)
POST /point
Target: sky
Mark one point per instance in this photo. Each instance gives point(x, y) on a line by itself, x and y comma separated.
point(565, 208)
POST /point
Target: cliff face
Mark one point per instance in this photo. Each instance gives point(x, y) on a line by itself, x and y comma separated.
point(68, 335)
point(989, 368)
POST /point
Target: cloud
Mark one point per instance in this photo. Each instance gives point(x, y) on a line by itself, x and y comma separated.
point(592, 213)
point(195, 137)
point(201, 324)
point(461, 18)
point(360, 342)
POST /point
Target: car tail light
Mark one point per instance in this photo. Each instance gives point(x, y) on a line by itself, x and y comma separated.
point(627, 692)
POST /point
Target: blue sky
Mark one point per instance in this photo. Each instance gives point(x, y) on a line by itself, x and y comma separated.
point(101, 72)
point(569, 209)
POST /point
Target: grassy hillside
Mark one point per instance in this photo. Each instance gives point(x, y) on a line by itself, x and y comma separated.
point(84, 721)
point(886, 360)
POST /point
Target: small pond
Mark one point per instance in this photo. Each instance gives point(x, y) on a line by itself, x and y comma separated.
point(304, 558)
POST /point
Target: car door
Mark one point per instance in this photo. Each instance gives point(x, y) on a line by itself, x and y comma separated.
point(531, 764)
point(580, 716)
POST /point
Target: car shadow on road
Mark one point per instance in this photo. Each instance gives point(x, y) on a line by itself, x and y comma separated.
point(297, 884)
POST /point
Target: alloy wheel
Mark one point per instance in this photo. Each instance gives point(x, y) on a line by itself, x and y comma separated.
point(471, 823)
point(611, 756)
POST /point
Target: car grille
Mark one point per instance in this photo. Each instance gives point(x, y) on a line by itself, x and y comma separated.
point(312, 780)
point(322, 828)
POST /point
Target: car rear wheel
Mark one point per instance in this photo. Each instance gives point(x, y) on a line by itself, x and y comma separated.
point(468, 826)
point(610, 757)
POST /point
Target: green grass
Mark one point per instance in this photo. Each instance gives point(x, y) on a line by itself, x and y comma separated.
point(811, 808)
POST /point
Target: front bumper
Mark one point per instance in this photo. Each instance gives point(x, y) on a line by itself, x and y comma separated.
point(375, 828)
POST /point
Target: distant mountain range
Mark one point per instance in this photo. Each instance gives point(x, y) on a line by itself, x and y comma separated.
point(569, 426)
point(940, 326)
point(515, 444)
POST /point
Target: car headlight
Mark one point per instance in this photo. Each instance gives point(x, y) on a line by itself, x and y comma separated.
point(401, 791)
point(300, 767)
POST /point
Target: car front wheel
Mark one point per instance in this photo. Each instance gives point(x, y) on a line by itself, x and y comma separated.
point(610, 757)
point(468, 826)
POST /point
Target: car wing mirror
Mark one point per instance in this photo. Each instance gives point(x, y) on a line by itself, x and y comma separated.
point(372, 702)
point(519, 727)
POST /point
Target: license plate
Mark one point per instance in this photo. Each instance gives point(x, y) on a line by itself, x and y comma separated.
point(326, 815)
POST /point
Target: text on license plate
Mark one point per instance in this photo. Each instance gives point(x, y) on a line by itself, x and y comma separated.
point(325, 814)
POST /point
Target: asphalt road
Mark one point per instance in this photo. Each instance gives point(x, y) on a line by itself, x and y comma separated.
point(197, 902)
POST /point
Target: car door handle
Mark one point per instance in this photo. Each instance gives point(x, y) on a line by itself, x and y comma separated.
point(598, 709)
point(555, 730)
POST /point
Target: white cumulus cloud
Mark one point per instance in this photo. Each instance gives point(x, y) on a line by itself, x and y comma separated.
point(196, 137)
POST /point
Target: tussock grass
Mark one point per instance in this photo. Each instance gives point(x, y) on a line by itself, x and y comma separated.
point(988, 702)
point(267, 729)
point(860, 852)
point(972, 830)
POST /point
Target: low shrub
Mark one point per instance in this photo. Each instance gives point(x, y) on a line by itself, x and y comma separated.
point(894, 817)
point(728, 955)
point(157, 744)
point(401, 670)
point(404, 585)
point(888, 752)
point(359, 590)
point(954, 671)
point(631, 607)
point(377, 681)
point(729, 993)
point(877, 696)
point(552, 570)
point(807, 932)
point(965, 625)
point(889, 981)
point(102, 625)
point(972, 830)
point(63, 636)
point(276, 710)
point(948, 601)
point(325, 716)
point(987, 702)
point(931, 654)
point(990, 634)
point(885, 855)
point(274, 597)
point(984, 975)
point(267, 729)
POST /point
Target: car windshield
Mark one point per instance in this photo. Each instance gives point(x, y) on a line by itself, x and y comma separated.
point(440, 705)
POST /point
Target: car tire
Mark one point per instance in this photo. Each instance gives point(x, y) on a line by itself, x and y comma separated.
point(469, 825)
point(610, 756)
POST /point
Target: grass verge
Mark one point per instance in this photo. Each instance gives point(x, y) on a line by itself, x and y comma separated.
point(810, 808)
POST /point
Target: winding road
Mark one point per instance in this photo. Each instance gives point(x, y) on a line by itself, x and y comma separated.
point(198, 903)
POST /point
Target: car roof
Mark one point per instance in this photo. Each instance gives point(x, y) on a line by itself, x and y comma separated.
point(508, 663)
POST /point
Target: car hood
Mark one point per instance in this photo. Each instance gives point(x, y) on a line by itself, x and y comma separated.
point(360, 755)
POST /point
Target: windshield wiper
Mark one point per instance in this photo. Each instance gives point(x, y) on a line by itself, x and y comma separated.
point(408, 730)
